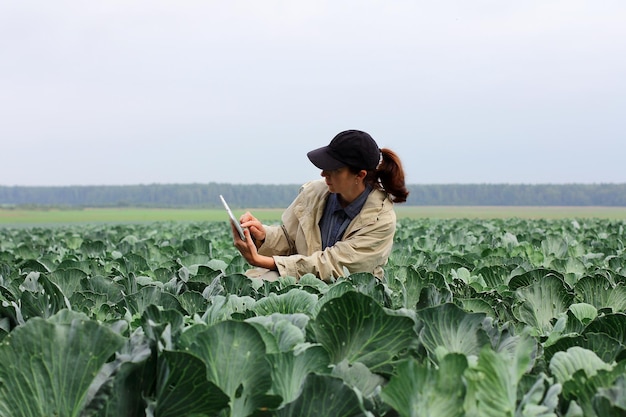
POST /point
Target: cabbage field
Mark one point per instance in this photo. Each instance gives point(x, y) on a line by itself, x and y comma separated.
point(480, 318)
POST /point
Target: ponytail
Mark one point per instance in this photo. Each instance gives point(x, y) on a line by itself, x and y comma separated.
point(389, 176)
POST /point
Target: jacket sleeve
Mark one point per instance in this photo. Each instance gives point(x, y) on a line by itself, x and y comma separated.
point(277, 242)
point(365, 249)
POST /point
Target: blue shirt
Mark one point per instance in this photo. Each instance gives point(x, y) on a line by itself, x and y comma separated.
point(336, 219)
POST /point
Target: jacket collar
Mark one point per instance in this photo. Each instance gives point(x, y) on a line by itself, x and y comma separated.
point(377, 202)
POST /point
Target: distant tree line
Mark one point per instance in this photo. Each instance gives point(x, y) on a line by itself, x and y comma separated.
point(279, 196)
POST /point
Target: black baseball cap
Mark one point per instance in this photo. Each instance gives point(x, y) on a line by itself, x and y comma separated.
point(352, 148)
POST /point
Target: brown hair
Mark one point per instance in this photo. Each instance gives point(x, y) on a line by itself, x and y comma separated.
point(388, 176)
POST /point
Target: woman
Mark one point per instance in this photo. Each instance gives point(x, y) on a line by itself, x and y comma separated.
point(337, 226)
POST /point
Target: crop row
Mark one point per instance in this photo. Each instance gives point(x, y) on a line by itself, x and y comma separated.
point(475, 318)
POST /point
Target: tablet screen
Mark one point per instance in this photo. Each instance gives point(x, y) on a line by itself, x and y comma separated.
point(233, 219)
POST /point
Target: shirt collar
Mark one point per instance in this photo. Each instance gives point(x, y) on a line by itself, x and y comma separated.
point(353, 208)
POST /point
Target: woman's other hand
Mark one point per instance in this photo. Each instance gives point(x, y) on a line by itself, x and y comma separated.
point(257, 231)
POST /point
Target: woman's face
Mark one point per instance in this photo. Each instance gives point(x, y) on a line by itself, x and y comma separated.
point(340, 181)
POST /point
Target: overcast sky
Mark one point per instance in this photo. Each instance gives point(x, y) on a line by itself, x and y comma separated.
point(147, 91)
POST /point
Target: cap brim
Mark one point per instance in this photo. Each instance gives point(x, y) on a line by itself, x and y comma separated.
point(322, 159)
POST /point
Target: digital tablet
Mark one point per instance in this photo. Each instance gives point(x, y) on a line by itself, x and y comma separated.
point(233, 219)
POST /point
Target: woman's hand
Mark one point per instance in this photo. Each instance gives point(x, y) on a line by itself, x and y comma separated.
point(247, 247)
point(257, 231)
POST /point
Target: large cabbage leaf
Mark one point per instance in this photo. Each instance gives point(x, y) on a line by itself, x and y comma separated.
point(356, 328)
point(183, 388)
point(447, 328)
point(324, 395)
point(426, 390)
point(293, 301)
point(47, 367)
point(290, 369)
point(541, 302)
point(598, 291)
point(281, 332)
point(492, 384)
point(235, 358)
point(564, 364)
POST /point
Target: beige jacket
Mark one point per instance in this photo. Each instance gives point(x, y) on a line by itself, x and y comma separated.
point(296, 246)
